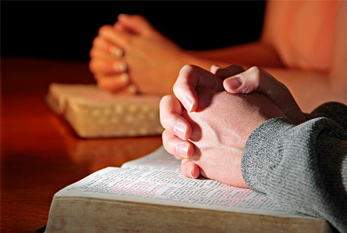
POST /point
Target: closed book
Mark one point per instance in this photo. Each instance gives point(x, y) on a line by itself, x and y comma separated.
point(94, 113)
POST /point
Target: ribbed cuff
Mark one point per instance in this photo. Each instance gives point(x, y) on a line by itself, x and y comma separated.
point(261, 152)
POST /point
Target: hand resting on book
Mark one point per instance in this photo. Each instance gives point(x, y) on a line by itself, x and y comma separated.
point(209, 130)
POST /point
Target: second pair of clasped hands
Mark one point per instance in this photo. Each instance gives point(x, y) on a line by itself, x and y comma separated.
point(133, 42)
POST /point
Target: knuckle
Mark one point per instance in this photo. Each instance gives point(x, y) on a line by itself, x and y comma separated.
point(186, 69)
point(163, 101)
point(91, 65)
point(166, 136)
point(96, 41)
point(257, 74)
point(178, 90)
point(103, 29)
point(176, 87)
point(255, 70)
point(96, 65)
point(164, 122)
point(91, 52)
point(103, 86)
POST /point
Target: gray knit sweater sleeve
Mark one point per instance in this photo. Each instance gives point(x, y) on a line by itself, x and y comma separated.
point(302, 167)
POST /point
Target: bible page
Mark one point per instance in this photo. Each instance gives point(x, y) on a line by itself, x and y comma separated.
point(167, 187)
point(160, 159)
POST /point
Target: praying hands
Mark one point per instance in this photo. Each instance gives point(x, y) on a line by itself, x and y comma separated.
point(210, 116)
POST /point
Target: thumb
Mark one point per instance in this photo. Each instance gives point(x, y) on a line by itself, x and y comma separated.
point(224, 73)
point(252, 80)
point(258, 80)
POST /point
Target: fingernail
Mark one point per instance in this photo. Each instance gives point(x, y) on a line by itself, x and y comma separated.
point(123, 67)
point(180, 130)
point(120, 67)
point(118, 52)
point(133, 88)
point(187, 103)
point(182, 150)
point(125, 77)
point(234, 83)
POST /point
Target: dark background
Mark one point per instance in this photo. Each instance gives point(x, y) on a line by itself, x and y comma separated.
point(65, 30)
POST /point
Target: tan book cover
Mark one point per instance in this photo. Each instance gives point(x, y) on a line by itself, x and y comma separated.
point(150, 194)
point(94, 113)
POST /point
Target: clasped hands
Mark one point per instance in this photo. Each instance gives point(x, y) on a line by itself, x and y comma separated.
point(129, 56)
point(211, 114)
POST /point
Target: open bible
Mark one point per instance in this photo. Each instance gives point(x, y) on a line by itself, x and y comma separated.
point(94, 113)
point(151, 195)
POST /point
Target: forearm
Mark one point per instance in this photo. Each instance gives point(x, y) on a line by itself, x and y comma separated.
point(309, 88)
point(249, 54)
point(303, 167)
